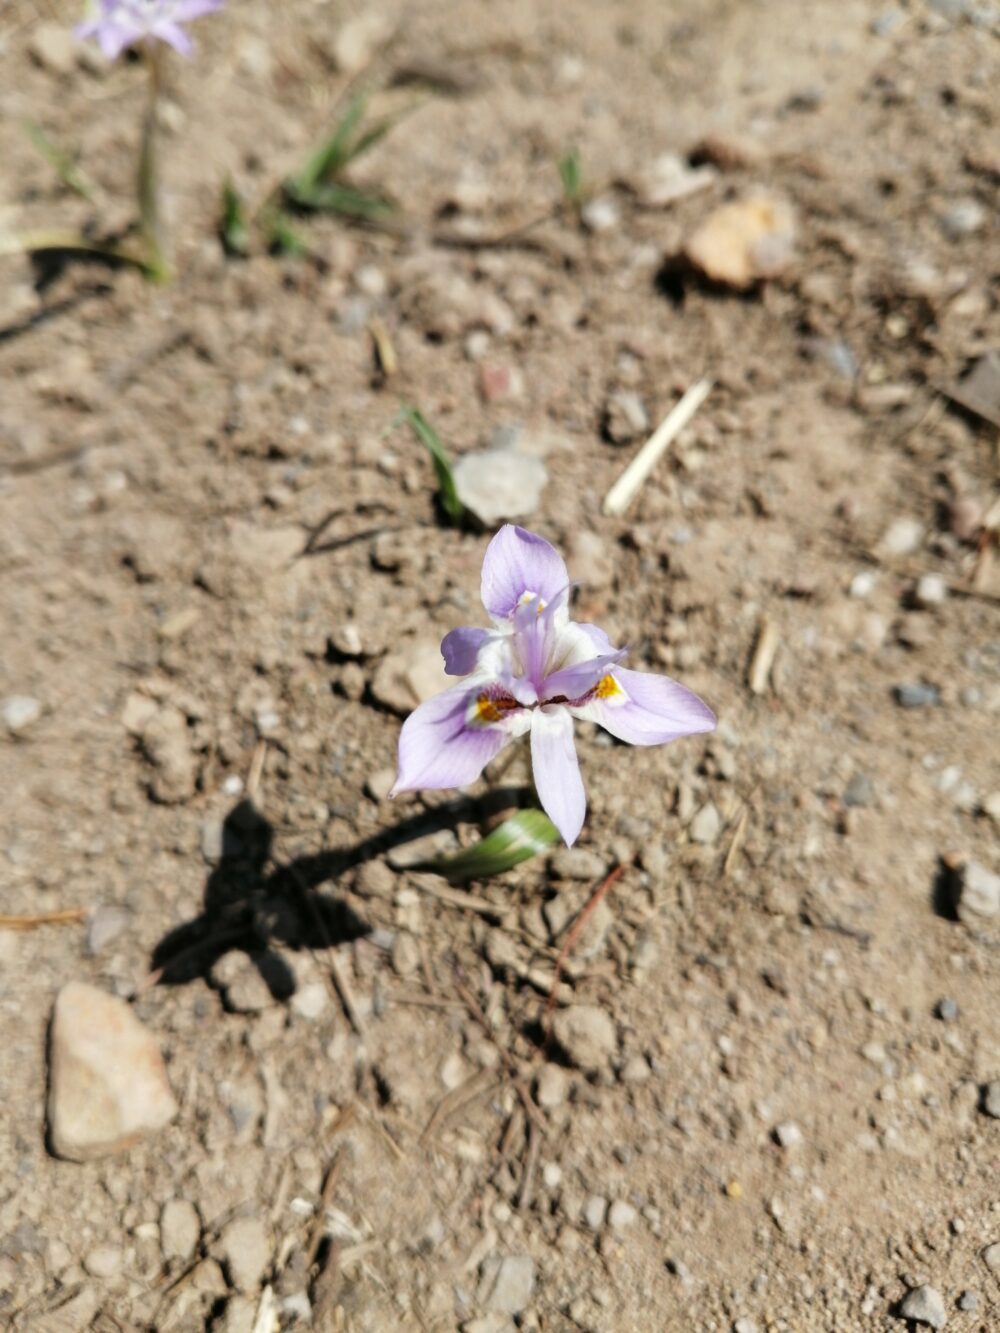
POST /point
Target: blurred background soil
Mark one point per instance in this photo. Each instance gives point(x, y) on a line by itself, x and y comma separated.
point(222, 583)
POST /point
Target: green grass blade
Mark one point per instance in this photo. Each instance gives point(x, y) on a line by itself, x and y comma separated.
point(333, 153)
point(282, 238)
point(61, 162)
point(344, 200)
point(233, 229)
point(431, 441)
point(572, 178)
point(517, 839)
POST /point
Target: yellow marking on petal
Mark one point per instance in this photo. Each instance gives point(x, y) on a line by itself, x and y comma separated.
point(608, 688)
point(489, 709)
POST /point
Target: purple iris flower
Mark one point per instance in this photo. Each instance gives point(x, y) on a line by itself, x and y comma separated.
point(535, 671)
point(120, 23)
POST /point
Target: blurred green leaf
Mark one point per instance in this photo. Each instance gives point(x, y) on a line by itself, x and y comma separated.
point(61, 162)
point(233, 228)
point(342, 199)
point(429, 437)
point(517, 839)
point(282, 238)
point(333, 154)
point(572, 178)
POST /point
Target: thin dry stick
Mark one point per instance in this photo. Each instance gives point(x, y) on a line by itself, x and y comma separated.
point(530, 1166)
point(456, 898)
point(736, 845)
point(256, 769)
point(632, 480)
point(325, 1199)
point(762, 661)
point(34, 919)
point(574, 932)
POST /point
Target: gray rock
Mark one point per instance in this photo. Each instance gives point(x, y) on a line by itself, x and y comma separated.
point(18, 712)
point(947, 1010)
point(979, 893)
point(104, 1262)
point(969, 1301)
point(962, 218)
point(600, 214)
point(506, 1285)
point(902, 537)
point(104, 925)
point(498, 484)
point(860, 791)
point(625, 417)
point(551, 1085)
point(309, 1002)
point(180, 1229)
point(578, 863)
point(788, 1134)
point(587, 1035)
point(621, 1215)
point(991, 1099)
point(245, 1248)
point(54, 48)
point(924, 1305)
point(167, 746)
point(108, 1087)
point(918, 694)
point(706, 825)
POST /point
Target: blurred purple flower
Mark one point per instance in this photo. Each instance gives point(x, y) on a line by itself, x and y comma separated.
point(120, 23)
point(536, 671)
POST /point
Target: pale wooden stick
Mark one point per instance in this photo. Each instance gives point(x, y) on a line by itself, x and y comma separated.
point(759, 674)
point(631, 481)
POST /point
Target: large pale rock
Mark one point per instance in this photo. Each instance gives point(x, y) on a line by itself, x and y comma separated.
point(745, 241)
point(108, 1087)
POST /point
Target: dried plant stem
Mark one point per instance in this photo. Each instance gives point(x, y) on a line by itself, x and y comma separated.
point(34, 919)
point(574, 933)
point(150, 216)
point(631, 481)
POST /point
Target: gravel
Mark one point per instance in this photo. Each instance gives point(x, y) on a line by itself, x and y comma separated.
point(916, 694)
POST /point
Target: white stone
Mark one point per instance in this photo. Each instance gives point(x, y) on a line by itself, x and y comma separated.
point(498, 484)
point(19, 712)
point(180, 1229)
point(108, 1087)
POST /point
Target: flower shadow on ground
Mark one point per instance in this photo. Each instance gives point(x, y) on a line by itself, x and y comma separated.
point(254, 904)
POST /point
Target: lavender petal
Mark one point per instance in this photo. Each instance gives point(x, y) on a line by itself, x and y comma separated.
point(649, 709)
point(460, 650)
point(517, 562)
point(439, 748)
point(557, 772)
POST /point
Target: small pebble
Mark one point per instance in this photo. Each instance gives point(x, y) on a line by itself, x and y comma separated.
point(931, 590)
point(962, 218)
point(863, 584)
point(946, 1009)
point(595, 1210)
point(706, 825)
point(310, 1001)
point(917, 695)
point(991, 1099)
point(991, 1257)
point(180, 1229)
point(245, 1245)
point(902, 537)
point(104, 1262)
point(745, 1325)
point(551, 1085)
point(969, 1301)
point(105, 924)
point(621, 1215)
point(625, 417)
point(19, 712)
point(860, 791)
point(600, 214)
point(788, 1134)
point(924, 1305)
point(979, 893)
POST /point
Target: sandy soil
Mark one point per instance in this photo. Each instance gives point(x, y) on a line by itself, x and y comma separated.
point(200, 488)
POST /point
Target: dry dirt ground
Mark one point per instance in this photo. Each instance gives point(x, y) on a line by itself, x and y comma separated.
point(209, 527)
